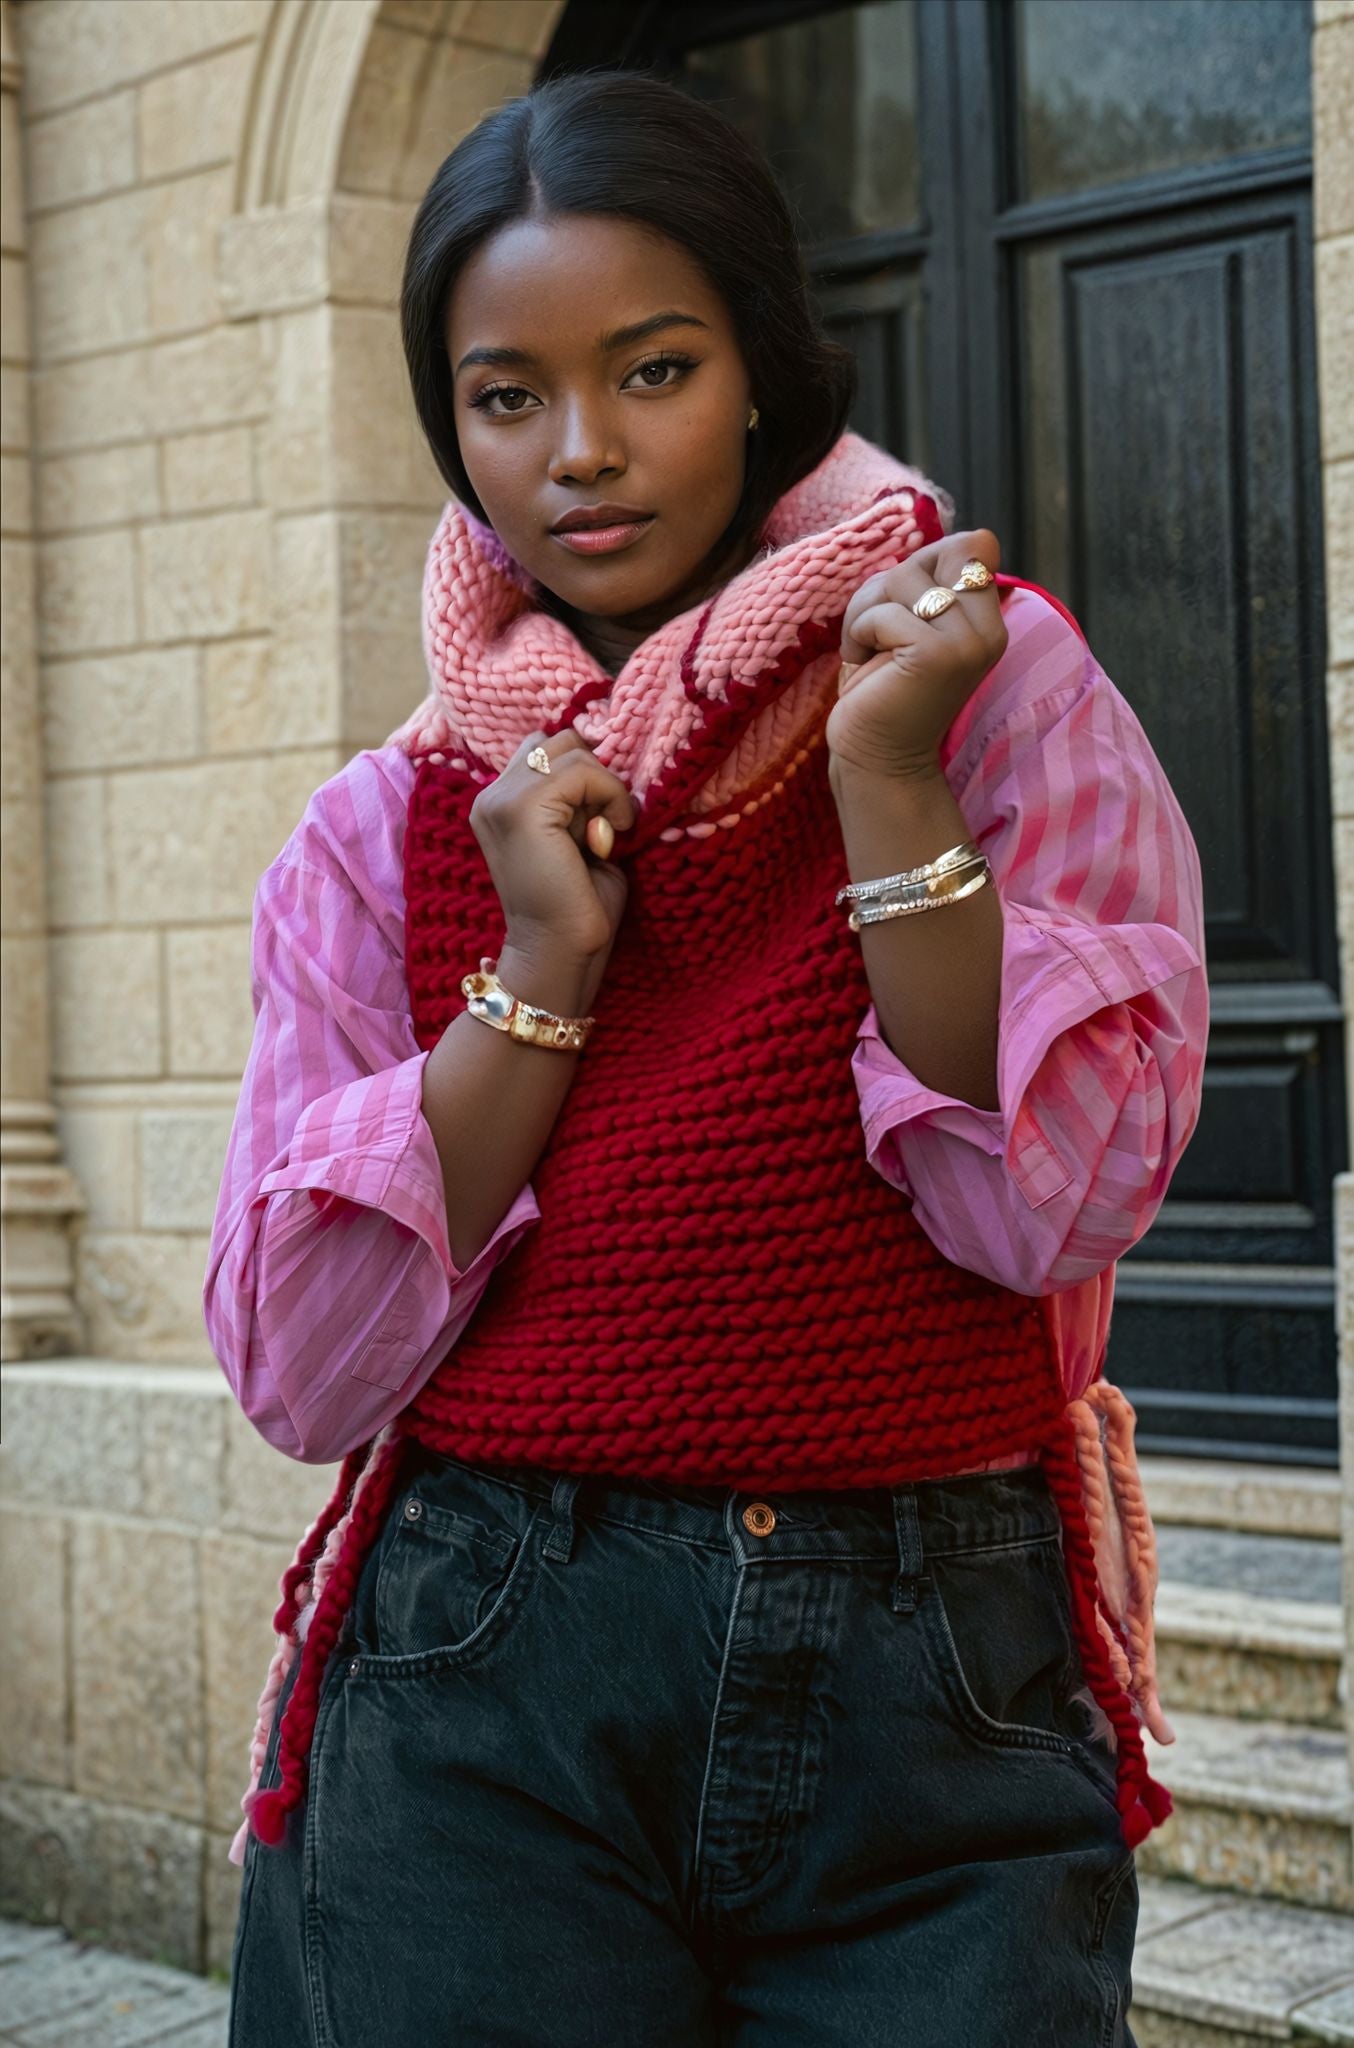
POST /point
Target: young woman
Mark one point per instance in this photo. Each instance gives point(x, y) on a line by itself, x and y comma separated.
point(733, 1619)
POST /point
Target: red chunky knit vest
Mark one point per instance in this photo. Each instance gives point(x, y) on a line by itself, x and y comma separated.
point(721, 1289)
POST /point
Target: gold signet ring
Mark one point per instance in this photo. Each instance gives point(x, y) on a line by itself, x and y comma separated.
point(974, 575)
point(934, 601)
point(539, 759)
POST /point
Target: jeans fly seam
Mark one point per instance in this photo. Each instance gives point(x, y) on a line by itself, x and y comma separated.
point(735, 1609)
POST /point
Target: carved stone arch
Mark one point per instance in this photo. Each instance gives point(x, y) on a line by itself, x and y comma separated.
point(350, 111)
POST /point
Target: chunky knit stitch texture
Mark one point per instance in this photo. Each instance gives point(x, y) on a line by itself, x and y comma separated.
point(721, 1289)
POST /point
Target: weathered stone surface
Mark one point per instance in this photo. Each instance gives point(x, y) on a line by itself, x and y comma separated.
point(188, 844)
point(72, 1437)
point(99, 1146)
point(104, 1872)
point(1261, 1807)
point(13, 226)
point(393, 64)
point(105, 1005)
point(76, 879)
point(1333, 118)
point(141, 1295)
point(465, 79)
point(88, 271)
point(211, 1018)
point(378, 452)
point(33, 1688)
point(222, 1880)
point(173, 387)
point(87, 593)
point(1218, 1494)
point(241, 1587)
point(206, 577)
point(137, 1667)
point(192, 116)
point(85, 47)
point(181, 1154)
point(121, 711)
point(266, 1494)
point(13, 309)
point(183, 1443)
point(1245, 1963)
point(16, 486)
point(81, 154)
point(208, 472)
point(1328, 2019)
point(23, 905)
point(1335, 344)
point(183, 220)
point(102, 487)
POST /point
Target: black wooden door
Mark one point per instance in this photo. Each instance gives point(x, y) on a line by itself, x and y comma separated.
point(1070, 244)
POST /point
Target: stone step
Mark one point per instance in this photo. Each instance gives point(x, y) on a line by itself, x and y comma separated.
point(1211, 1970)
point(1261, 1807)
point(1225, 1652)
point(1276, 1500)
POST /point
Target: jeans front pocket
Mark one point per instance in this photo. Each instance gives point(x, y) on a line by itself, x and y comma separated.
point(999, 1628)
point(450, 1569)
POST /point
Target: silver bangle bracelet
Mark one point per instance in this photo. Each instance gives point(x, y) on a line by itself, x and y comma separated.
point(961, 856)
point(927, 897)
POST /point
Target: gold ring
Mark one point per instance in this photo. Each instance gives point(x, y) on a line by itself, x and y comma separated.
point(934, 601)
point(974, 575)
point(539, 759)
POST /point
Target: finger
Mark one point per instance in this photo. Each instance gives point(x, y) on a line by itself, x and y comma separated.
point(885, 617)
point(578, 778)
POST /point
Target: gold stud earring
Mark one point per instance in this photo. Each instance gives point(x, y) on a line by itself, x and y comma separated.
point(752, 419)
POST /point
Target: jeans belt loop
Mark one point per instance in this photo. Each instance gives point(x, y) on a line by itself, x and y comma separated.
point(909, 1582)
point(560, 1542)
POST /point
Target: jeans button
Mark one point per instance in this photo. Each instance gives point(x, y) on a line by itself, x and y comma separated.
point(413, 1509)
point(759, 1519)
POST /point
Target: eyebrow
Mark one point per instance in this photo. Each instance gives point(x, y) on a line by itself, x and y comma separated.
point(619, 337)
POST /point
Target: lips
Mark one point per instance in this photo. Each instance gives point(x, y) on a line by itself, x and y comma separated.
point(587, 518)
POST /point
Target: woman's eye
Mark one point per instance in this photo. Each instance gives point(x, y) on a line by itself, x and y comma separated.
point(681, 364)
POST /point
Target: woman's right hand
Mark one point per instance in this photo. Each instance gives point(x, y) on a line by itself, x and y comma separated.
point(558, 896)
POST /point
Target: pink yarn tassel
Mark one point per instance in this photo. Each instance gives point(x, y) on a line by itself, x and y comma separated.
point(1125, 1545)
point(301, 1585)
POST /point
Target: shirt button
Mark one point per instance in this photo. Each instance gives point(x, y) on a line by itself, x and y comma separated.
point(759, 1519)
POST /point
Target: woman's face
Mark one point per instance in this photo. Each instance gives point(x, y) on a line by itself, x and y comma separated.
point(577, 417)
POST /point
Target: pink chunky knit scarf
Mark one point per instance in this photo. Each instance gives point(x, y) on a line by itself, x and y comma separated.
point(501, 667)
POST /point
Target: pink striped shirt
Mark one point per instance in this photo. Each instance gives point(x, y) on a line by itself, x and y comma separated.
point(331, 1295)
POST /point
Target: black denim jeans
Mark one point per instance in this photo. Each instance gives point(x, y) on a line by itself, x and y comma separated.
point(605, 1764)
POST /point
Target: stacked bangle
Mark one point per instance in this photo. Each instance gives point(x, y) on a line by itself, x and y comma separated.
point(931, 886)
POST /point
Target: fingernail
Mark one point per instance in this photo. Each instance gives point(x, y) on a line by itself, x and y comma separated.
point(601, 837)
point(845, 673)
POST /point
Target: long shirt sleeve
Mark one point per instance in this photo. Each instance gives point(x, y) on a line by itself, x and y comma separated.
point(1104, 1009)
point(330, 1294)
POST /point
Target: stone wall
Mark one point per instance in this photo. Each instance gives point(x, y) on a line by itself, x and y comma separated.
point(144, 1526)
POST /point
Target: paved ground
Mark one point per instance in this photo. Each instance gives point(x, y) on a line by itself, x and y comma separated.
point(58, 1993)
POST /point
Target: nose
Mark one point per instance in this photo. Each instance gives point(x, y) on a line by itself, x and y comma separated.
point(586, 447)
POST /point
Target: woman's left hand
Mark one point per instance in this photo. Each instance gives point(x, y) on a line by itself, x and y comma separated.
point(913, 676)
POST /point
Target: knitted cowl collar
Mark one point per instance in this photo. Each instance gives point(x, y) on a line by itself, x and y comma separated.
point(500, 667)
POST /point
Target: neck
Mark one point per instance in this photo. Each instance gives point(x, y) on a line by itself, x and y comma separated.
point(611, 641)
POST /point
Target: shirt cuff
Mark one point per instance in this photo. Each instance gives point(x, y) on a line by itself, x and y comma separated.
point(1055, 974)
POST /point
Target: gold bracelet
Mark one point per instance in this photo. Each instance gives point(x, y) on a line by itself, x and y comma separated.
point(526, 1022)
point(933, 895)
